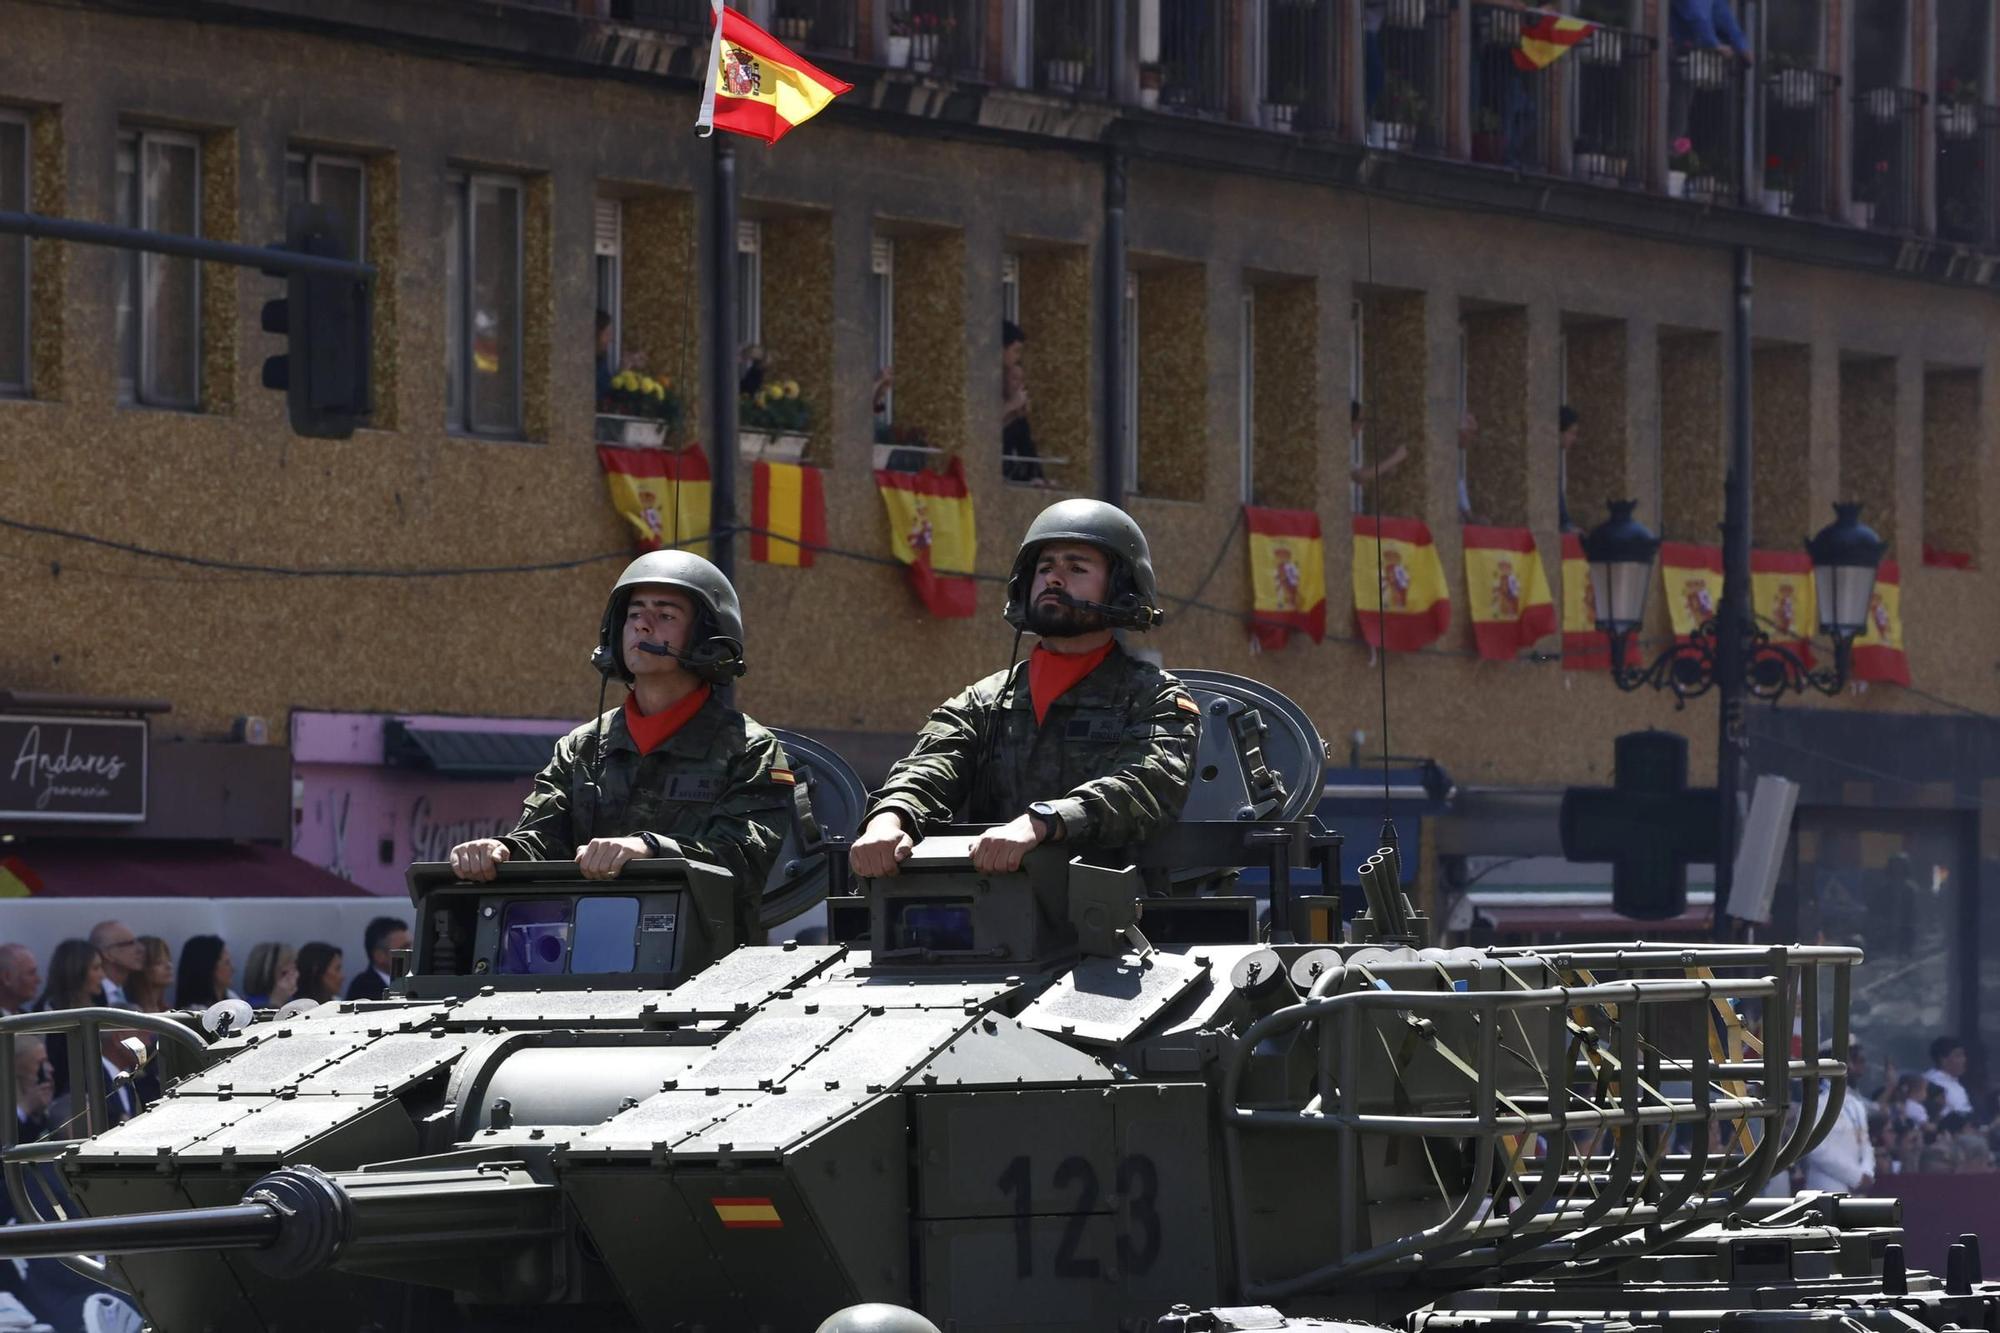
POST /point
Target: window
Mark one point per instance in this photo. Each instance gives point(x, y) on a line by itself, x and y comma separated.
point(750, 284)
point(483, 314)
point(13, 256)
point(609, 265)
point(1010, 288)
point(882, 262)
point(339, 183)
point(159, 296)
point(1246, 374)
point(1129, 354)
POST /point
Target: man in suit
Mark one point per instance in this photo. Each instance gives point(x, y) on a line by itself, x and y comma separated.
point(385, 935)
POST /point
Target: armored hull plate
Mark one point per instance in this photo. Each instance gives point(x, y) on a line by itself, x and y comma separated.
point(1109, 1001)
point(167, 1128)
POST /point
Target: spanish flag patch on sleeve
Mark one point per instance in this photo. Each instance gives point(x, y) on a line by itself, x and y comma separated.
point(1186, 705)
point(783, 775)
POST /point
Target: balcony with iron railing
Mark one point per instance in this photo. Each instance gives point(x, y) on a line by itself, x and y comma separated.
point(1612, 90)
point(1968, 163)
point(1800, 125)
point(822, 27)
point(1887, 143)
point(687, 15)
point(1406, 76)
point(946, 37)
point(1300, 66)
point(1071, 45)
point(1196, 39)
point(1706, 101)
point(1513, 108)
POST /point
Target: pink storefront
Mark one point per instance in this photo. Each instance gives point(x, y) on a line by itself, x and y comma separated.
point(372, 792)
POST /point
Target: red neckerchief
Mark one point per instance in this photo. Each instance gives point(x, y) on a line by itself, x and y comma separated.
point(649, 733)
point(1052, 675)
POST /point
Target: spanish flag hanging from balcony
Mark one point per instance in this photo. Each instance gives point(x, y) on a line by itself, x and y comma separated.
point(931, 531)
point(1879, 653)
point(1547, 39)
point(1585, 647)
point(662, 493)
point(1782, 599)
point(1693, 576)
point(1409, 604)
point(787, 513)
point(1509, 598)
point(1287, 575)
point(755, 85)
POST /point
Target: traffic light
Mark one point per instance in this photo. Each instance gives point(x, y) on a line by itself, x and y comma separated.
point(325, 320)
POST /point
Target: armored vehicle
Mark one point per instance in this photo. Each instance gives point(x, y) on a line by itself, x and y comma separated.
point(1093, 1094)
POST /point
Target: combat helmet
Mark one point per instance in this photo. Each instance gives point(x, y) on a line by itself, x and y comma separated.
point(876, 1318)
point(715, 648)
point(1134, 597)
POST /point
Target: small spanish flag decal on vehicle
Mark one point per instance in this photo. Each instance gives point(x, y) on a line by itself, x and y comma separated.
point(783, 775)
point(747, 1213)
point(1185, 704)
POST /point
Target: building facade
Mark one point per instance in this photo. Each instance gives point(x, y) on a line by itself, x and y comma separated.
point(1220, 224)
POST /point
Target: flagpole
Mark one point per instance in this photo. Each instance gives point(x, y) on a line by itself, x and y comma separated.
point(704, 123)
point(722, 356)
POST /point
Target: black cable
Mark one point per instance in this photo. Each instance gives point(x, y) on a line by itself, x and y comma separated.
point(1381, 585)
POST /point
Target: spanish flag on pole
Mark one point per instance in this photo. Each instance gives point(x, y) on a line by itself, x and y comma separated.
point(931, 531)
point(1547, 39)
point(787, 513)
point(1782, 599)
point(756, 86)
point(662, 493)
point(1287, 575)
point(1693, 576)
point(1585, 647)
point(1509, 601)
point(1409, 605)
point(1879, 653)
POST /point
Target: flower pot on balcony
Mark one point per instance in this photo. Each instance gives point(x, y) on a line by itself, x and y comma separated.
point(630, 430)
point(1066, 76)
point(1776, 202)
point(1958, 120)
point(1677, 184)
point(899, 52)
point(1703, 189)
point(1404, 14)
point(1280, 115)
point(1393, 136)
point(1605, 46)
point(780, 446)
point(1149, 98)
point(1489, 148)
point(1795, 89)
point(1861, 213)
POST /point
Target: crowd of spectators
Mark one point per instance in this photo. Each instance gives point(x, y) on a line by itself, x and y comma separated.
point(1894, 1123)
point(116, 968)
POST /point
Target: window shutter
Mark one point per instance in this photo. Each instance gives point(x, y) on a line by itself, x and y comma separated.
point(610, 222)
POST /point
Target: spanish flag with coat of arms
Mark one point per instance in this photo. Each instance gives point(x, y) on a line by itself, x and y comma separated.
point(1693, 577)
point(756, 86)
point(1409, 604)
point(1287, 575)
point(662, 493)
point(1879, 653)
point(1509, 601)
point(931, 531)
point(1783, 600)
point(1585, 647)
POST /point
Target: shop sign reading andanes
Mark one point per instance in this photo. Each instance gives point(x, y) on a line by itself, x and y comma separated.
point(75, 769)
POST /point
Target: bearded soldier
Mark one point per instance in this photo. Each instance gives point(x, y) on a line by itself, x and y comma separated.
point(1082, 744)
point(672, 771)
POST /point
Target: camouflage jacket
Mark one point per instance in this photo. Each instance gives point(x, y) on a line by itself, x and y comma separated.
point(1112, 758)
point(718, 788)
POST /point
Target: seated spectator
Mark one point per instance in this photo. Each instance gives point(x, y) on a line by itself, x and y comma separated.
point(271, 977)
point(124, 1082)
point(149, 988)
point(384, 936)
point(120, 952)
point(76, 977)
point(1948, 1060)
point(20, 979)
point(205, 973)
point(34, 1088)
point(320, 973)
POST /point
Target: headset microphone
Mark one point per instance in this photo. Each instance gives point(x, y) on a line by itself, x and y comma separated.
point(1127, 614)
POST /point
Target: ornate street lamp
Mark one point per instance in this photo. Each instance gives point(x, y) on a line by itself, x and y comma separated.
point(1845, 555)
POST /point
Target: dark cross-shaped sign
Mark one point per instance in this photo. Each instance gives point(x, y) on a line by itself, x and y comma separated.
point(1650, 825)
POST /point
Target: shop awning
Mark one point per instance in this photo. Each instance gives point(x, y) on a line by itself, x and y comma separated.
point(465, 752)
point(145, 868)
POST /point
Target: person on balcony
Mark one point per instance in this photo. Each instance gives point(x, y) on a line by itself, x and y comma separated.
point(1567, 424)
point(1709, 25)
point(1018, 459)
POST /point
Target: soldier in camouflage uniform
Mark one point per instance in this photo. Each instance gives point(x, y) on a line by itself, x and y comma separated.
point(1081, 744)
point(673, 771)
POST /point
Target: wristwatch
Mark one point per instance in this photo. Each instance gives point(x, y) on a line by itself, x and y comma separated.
point(1051, 821)
point(654, 848)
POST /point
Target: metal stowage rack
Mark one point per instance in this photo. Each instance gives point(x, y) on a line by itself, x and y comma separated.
point(1592, 1087)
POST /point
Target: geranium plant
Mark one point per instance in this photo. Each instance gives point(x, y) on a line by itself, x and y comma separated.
point(637, 394)
point(776, 407)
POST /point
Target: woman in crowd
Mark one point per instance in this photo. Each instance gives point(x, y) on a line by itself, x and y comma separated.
point(149, 987)
point(204, 974)
point(271, 977)
point(76, 977)
point(321, 974)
